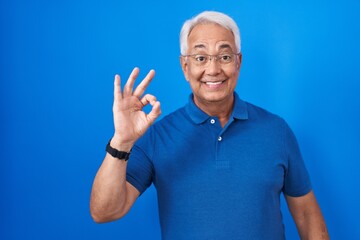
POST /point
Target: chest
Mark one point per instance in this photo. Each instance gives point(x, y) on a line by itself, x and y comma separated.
point(236, 157)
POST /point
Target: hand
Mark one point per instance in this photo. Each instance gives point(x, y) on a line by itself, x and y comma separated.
point(130, 121)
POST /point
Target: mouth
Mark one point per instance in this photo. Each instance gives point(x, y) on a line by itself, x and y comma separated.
point(213, 84)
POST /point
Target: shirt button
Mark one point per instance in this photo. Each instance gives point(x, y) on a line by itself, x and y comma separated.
point(219, 138)
point(212, 121)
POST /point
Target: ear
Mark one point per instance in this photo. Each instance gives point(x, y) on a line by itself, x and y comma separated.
point(239, 61)
point(184, 66)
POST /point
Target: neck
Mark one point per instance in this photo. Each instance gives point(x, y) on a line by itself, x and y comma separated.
point(220, 109)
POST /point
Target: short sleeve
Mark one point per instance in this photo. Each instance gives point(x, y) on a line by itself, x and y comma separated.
point(297, 181)
point(139, 172)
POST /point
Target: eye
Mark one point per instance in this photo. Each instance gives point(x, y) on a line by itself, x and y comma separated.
point(200, 58)
point(225, 57)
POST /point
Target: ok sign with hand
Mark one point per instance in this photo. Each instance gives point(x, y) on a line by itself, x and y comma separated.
point(130, 121)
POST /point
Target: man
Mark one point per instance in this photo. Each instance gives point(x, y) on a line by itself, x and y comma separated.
point(219, 164)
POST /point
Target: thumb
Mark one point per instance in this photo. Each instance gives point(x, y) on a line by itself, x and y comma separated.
point(154, 113)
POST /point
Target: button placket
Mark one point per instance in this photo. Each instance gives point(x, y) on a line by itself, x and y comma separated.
point(221, 161)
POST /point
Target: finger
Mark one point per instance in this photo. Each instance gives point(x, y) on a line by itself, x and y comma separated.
point(117, 88)
point(155, 112)
point(140, 89)
point(148, 98)
point(130, 82)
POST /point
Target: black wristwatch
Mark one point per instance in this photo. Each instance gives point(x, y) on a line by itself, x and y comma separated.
point(117, 154)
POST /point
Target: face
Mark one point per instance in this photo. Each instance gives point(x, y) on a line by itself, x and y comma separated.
point(215, 82)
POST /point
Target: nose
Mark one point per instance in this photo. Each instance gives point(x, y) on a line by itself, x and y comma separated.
point(213, 67)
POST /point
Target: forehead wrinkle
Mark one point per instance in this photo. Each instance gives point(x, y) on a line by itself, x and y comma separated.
point(222, 46)
point(218, 46)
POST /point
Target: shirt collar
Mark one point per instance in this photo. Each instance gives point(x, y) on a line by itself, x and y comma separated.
point(198, 116)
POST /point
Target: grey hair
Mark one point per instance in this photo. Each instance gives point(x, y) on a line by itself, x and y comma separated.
point(209, 17)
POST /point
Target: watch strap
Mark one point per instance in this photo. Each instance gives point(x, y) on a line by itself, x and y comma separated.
point(117, 154)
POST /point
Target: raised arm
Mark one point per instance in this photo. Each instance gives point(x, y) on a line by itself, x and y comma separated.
point(111, 196)
point(307, 216)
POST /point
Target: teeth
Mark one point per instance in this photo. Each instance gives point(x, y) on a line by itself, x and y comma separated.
point(213, 83)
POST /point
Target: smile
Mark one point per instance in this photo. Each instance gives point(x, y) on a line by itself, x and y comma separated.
point(214, 84)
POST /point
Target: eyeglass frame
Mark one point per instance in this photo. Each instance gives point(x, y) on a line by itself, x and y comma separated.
point(217, 58)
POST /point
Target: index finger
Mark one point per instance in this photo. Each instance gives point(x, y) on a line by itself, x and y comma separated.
point(140, 89)
point(117, 88)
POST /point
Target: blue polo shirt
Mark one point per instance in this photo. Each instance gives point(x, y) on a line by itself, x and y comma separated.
point(219, 183)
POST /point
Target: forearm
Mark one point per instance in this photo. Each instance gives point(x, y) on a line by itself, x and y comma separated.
point(108, 196)
point(313, 226)
point(308, 217)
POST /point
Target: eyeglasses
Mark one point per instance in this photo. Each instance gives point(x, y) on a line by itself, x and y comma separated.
point(203, 60)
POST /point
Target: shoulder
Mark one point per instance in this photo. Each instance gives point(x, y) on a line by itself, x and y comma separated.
point(166, 125)
point(261, 115)
point(273, 123)
point(177, 117)
point(268, 123)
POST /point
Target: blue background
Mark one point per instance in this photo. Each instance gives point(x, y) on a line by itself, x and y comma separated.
point(58, 60)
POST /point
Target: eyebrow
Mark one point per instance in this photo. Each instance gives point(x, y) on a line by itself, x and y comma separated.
point(199, 46)
point(225, 45)
point(222, 46)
